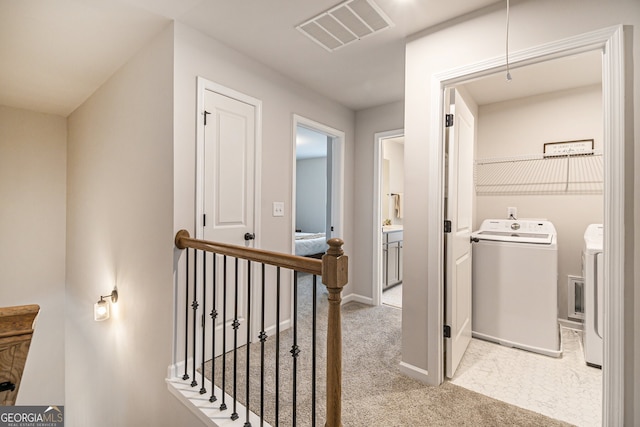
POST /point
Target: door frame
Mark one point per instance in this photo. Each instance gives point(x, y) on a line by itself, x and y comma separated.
point(376, 262)
point(337, 170)
point(203, 85)
point(610, 41)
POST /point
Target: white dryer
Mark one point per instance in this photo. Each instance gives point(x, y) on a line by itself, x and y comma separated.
point(593, 273)
point(515, 285)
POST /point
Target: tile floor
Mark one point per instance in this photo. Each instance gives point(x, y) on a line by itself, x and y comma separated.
point(393, 296)
point(563, 388)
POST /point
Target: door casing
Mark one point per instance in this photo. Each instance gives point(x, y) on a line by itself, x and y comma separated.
point(609, 41)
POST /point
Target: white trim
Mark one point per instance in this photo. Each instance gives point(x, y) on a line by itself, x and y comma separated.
point(209, 413)
point(414, 372)
point(356, 298)
point(571, 324)
point(376, 262)
point(610, 42)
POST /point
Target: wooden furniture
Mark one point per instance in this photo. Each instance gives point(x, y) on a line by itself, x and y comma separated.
point(16, 329)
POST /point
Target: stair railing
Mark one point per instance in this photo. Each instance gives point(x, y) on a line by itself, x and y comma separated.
point(333, 268)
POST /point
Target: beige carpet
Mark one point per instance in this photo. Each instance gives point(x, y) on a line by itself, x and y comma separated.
point(374, 391)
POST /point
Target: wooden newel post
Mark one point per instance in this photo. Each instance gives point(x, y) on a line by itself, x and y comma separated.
point(334, 276)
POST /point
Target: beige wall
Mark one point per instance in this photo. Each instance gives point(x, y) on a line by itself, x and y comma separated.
point(456, 45)
point(521, 127)
point(120, 229)
point(33, 150)
point(368, 122)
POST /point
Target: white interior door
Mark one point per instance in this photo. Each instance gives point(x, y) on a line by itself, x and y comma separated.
point(229, 185)
point(458, 210)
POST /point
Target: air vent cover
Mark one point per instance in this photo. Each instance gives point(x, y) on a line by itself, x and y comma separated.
point(345, 23)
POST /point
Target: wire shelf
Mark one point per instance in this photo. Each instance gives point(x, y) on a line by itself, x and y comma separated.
point(537, 174)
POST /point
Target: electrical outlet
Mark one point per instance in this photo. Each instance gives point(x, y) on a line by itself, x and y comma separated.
point(512, 213)
point(278, 208)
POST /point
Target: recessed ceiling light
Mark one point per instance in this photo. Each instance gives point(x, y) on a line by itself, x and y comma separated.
point(345, 23)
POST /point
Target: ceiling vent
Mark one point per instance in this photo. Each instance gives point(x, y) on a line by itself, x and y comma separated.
point(345, 23)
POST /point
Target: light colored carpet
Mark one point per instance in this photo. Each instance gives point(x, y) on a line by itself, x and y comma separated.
point(374, 392)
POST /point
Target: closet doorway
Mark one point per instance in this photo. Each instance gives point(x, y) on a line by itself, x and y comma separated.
point(317, 186)
point(613, 194)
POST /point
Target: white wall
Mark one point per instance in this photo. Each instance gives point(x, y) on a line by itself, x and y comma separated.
point(311, 195)
point(521, 127)
point(33, 149)
point(199, 55)
point(456, 45)
point(368, 122)
point(120, 234)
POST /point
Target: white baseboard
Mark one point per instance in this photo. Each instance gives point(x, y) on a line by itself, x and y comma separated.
point(357, 298)
point(415, 373)
point(571, 324)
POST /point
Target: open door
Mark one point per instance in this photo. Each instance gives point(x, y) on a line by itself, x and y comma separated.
point(460, 134)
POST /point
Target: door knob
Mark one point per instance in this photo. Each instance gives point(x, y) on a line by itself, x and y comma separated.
point(249, 236)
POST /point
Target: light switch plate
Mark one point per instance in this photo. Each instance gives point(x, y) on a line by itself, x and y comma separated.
point(278, 208)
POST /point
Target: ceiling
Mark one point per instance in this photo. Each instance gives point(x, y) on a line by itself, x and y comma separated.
point(56, 53)
point(564, 73)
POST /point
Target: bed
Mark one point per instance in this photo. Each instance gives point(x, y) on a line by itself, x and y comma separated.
point(311, 244)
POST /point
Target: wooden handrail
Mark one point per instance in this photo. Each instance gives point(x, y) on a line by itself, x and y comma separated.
point(334, 271)
point(292, 262)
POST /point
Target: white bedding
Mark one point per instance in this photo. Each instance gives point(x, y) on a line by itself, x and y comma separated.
point(310, 243)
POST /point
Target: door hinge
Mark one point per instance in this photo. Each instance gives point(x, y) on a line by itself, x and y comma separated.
point(447, 331)
point(448, 120)
point(332, 228)
point(204, 220)
point(205, 117)
point(447, 226)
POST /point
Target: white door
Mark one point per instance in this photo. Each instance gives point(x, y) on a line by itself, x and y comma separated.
point(228, 200)
point(458, 210)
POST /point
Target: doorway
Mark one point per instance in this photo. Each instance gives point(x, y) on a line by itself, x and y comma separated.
point(388, 209)
point(609, 43)
point(317, 186)
point(228, 134)
point(511, 171)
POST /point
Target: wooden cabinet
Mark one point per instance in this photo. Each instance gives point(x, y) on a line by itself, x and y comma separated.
point(16, 330)
point(392, 258)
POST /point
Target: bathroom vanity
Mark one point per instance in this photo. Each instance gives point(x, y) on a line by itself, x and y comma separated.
point(392, 236)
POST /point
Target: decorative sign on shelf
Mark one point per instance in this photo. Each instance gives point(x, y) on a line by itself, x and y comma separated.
point(564, 148)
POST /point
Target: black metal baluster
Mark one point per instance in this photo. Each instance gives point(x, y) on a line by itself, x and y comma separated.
point(214, 317)
point(248, 372)
point(263, 338)
point(277, 345)
point(186, 321)
point(313, 354)
point(203, 390)
point(194, 306)
point(223, 405)
point(294, 348)
point(236, 325)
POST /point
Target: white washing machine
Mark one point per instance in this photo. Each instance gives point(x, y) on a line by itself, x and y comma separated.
point(515, 285)
point(593, 273)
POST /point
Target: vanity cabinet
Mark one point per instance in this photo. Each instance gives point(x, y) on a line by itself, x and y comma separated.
point(391, 258)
